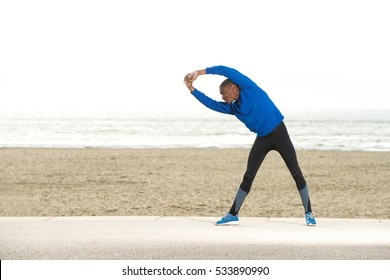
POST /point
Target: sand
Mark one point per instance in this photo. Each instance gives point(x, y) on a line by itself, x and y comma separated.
point(188, 182)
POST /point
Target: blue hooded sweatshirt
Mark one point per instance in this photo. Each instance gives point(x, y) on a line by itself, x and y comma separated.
point(253, 107)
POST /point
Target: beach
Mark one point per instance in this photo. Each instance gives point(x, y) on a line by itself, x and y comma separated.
point(188, 182)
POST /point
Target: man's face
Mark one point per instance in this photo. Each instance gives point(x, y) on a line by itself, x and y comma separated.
point(229, 93)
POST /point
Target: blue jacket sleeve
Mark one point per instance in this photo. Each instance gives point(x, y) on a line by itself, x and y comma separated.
point(232, 74)
point(221, 107)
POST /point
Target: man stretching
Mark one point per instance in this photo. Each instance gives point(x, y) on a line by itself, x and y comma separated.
point(251, 105)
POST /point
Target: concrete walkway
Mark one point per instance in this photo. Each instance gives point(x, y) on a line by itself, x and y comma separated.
point(191, 238)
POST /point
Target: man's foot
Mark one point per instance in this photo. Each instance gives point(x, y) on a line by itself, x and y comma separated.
point(310, 220)
point(229, 219)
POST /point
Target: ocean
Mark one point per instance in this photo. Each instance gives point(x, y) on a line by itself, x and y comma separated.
point(364, 130)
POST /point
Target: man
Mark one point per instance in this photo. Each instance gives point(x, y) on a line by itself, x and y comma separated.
point(251, 105)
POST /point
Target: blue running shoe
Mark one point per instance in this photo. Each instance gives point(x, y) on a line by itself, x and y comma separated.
point(310, 220)
point(229, 219)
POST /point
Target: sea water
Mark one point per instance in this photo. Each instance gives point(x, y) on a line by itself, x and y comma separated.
point(358, 130)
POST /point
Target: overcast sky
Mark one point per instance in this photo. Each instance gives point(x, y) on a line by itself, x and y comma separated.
point(132, 55)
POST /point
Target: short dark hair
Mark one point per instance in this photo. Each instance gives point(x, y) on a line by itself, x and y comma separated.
point(226, 83)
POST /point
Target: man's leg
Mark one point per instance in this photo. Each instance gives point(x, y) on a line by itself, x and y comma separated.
point(286, 149)
point(257, 154)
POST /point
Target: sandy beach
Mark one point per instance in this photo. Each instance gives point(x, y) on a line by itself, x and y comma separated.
point(188, 182)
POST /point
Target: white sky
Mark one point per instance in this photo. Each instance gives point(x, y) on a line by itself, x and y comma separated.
point(67, 56)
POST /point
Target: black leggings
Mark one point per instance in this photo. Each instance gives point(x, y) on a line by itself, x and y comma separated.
point(280, 141)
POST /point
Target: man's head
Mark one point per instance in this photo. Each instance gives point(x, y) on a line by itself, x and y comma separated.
point(229, 91)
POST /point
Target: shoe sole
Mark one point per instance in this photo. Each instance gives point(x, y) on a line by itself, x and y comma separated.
point(232, 223)
point(310, 225)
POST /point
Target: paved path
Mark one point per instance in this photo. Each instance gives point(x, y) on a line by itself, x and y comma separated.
point(191, 238)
